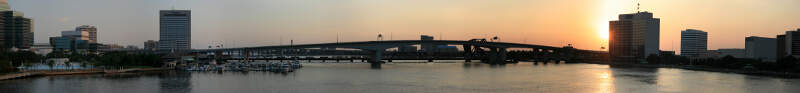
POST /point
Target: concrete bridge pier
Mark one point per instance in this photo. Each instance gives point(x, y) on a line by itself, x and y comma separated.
point(497, 55)
point(378, 56)
point(503, 55)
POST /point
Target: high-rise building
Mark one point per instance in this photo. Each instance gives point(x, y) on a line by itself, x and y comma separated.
point(17, 30)
point(77, 35)
point(780, 50)
point(150, 45)
point(633, 37)
point(760, 48)
point(175, 30)
point(694, 43)
point(426, 46)
point(788, 44)
point(90, 30)
point(4, 5)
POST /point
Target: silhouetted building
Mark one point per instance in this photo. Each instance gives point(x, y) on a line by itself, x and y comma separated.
point(427, 47)
point(667, 53)
point(788, 44)
point(175, 33)
point(694, 43)
point(151, 45)
point(633, 37)
point(780, 50)
point(90, 30)
point(760, 48)
point(407, 49)
point(448, 49)
point(719, 53)
point(17, 31)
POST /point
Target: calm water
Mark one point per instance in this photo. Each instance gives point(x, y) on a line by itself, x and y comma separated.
point(415, 78)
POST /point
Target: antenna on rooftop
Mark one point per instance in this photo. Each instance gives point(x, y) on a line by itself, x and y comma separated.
point(638, 7)
point(173, 4)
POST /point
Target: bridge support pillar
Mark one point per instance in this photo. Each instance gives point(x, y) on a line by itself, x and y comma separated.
point(378, 57)
point(246, 55)
point(503, 55)
point(497, 56)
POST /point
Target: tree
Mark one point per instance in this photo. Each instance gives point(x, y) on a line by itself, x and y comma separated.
point(5, 65)
point(69, 66)
point(654, 59)
point(84, 64)
point(786, 63)
point(51, 63)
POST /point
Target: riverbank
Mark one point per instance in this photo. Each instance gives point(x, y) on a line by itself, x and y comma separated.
point(712, 69)
point(26, 74)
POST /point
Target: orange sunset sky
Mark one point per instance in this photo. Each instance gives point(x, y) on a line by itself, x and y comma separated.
point(242, 23)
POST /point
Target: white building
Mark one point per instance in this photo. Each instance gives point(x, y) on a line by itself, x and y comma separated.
point(694, 43)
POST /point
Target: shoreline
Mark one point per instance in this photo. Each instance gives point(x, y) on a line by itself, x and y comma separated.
point(27, 74)
point(711, 69)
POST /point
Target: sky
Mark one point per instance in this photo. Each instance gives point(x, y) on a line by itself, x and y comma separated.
point(243, 23)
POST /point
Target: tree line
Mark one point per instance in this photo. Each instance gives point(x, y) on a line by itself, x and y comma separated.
point(784, 64)
point(10, 60)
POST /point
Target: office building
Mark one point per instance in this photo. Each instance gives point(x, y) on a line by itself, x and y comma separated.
point(175, 30)
point(17, 30)
point(90, 30)
point(427, 47)
point(63, 43)
point(787, 44)
point(633, 37)
point(780, 50)
point(77, 35)
point(760, 48)
point(694, 43)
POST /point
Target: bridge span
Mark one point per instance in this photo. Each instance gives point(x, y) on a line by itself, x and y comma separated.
point(476, 49)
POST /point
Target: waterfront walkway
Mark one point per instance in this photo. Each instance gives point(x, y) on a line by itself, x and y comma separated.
point(73, 72)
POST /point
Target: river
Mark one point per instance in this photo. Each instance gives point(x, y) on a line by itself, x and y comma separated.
point(415, 78)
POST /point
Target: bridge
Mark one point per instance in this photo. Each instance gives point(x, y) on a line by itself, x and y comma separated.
point(376, 51)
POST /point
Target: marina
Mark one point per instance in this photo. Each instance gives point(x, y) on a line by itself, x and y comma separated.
point(246, 66)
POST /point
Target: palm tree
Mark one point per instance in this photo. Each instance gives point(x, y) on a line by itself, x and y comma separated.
point(51, 63)
point(68, 65)
point(83, 65)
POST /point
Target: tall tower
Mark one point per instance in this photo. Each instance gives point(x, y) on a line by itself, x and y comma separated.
point(175, 30)
point(633, 37)
point(16, 31)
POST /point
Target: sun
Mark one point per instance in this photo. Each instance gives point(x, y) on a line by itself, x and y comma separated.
point(602, 31)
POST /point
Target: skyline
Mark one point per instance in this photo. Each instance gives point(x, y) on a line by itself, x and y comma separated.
point(320, 21)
